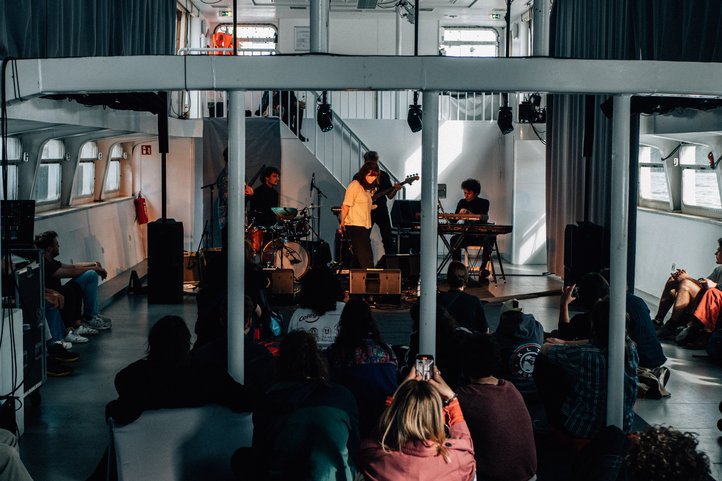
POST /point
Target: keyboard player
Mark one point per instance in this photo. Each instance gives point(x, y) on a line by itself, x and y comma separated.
point(473, 204)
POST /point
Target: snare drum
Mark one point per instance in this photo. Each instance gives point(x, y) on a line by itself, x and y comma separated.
point(254, 235)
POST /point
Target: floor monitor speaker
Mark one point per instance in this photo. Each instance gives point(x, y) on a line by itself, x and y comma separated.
point(281, 285)
point(384, 284)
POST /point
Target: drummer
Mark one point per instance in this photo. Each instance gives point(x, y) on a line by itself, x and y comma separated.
point(265, 197)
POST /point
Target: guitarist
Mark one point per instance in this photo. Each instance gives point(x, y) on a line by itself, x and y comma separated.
point(380, 215)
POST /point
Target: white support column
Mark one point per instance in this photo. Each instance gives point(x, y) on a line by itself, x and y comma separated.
point(540, 26)
point(618, 260)
point(429, 221)
point(319, 25)
point(400, 95)
point(236, 223)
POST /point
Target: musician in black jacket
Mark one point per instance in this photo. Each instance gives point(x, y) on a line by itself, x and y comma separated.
point(380, 215)
point(473, 204)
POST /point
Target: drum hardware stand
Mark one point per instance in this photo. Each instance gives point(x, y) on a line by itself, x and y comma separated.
point(316, 217)
point(208, 233)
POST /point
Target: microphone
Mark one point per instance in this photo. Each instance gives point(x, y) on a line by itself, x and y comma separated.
point(313, 180)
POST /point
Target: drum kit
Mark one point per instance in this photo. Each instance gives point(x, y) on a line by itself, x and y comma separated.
point(284, 249)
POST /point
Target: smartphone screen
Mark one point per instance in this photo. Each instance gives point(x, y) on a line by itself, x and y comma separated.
point(425, 366)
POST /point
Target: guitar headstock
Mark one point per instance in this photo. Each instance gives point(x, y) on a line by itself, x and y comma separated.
point(411, 178)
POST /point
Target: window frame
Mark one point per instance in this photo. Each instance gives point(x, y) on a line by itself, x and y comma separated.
point(496, 44)
point(227, 27)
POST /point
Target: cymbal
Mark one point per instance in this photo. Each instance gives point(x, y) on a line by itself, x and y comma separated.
point(284, 213)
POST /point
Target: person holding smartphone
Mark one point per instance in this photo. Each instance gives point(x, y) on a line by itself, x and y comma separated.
point(411, 440)
point(681, 293)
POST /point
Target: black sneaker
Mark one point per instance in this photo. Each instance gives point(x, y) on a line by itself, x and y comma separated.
point(666, 332)
point(58, 353)
point(55, 369)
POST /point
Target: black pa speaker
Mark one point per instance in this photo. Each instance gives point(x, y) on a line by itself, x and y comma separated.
point(165, 262)
point(408, 264)
point(406, 213)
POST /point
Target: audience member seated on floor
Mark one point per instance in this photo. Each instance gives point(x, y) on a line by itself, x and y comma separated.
point(640, 328)
point(572, 380)
point(680, 293)
point(259, 365)
point(319, 306)
point(86, 276)
point(307, 428)
point(520, 337)
point(696, 334)
point(467, 310)
point(169, 378)
point(662, 452)
point(448, 339)
point(498, 419)
point(411, 441)
point(57, 349)
point(11, 466)
point(592, 287)
point(360, 360)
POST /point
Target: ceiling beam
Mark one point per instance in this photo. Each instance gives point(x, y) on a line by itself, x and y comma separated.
point(327, 72)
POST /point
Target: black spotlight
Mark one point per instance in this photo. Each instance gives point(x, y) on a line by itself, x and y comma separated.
point(324, 116)
point(414, 117)
point(505, 120)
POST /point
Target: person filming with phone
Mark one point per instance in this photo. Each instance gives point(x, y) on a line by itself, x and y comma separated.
point(412, 441)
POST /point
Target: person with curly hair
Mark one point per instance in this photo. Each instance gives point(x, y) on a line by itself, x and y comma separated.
point(662, 452)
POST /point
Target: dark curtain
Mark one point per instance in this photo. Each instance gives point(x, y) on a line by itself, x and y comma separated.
point(263, 147)
point(86, 28)
point(674, 30)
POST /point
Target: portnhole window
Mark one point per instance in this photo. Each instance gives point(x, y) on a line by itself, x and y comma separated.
point(85, 176)
point(700, 188)
point(15, 152)
point(112, 179)
point(653, 186)
point(253, 39)
point(469, 42)
point(47, 182)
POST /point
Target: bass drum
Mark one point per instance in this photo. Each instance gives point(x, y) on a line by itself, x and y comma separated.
point(287, 255)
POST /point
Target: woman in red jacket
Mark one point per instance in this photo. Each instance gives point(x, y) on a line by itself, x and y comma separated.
point(412, 442)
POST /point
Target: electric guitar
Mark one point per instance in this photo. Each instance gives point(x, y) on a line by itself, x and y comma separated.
point(410, 179)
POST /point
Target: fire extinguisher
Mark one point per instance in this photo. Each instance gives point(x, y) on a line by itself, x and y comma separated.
point(141, 209)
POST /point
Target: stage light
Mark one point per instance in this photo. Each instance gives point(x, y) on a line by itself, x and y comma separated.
point(414, 119)
point(324, 116)
point(505, 120)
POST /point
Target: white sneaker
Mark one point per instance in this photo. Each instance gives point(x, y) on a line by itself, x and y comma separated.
point(65, 345)
point(75, 338)
point(98, 323)
point(85, 330)
point(104, 318)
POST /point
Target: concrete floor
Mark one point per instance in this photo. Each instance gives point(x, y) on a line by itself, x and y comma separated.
point(66, 434)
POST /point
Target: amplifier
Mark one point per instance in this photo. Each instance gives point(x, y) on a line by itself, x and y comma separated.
point(375, 281)
point(281, 285)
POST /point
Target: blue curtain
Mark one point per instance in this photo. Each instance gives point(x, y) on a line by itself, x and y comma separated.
point(86, 28)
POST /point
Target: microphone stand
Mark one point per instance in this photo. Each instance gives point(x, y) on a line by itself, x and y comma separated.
point(209, 234)
point(319, 194)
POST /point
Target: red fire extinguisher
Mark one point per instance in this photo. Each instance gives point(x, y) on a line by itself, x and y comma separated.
point(141, 209)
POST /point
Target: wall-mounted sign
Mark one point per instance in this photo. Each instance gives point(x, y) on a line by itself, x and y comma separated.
point(145, 150)
point(302, 39)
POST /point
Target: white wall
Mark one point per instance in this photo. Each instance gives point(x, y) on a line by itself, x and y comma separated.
point(103, 232)
point(182, 189)
point(528, 244)
point(665, 239)
point(365, 33)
